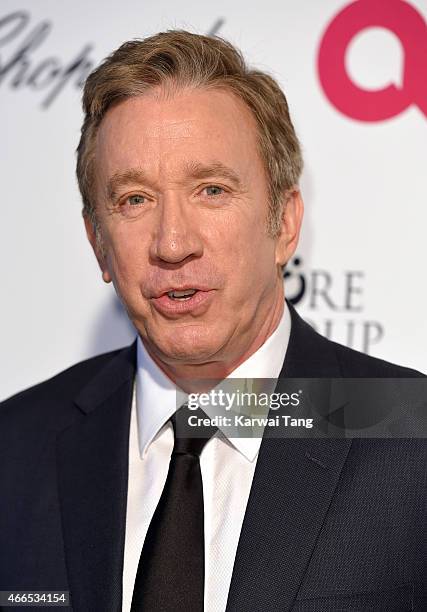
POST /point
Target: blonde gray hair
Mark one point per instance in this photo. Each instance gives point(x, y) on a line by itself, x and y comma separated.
point(176, 59)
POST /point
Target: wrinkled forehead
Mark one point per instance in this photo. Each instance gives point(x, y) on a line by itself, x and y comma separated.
point(168, 132)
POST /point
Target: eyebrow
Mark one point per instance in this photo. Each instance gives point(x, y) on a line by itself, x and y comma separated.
point(194, 170)
point(133, 175)
point(198, 170)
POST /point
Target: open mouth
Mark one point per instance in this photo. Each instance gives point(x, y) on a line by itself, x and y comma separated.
point(177, 302)
point(182, 296)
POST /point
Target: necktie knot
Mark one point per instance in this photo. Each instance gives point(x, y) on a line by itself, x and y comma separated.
point(191, 430)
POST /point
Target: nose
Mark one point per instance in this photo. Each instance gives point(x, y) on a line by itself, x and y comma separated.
point(176, 236)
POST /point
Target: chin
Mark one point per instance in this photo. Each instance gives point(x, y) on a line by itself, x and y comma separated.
point(191, 344)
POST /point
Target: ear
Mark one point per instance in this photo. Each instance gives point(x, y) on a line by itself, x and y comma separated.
point(102, 261)
point(293, 211)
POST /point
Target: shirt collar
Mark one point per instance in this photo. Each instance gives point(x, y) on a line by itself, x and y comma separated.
point(156, 393)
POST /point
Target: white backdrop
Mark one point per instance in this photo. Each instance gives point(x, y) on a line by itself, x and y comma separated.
point(359, 272)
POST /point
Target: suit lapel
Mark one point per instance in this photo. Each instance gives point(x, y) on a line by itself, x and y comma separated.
point(92, 458)
point(293, 485)
point(292, 489)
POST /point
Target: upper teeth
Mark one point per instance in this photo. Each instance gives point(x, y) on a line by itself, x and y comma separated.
point(177, 294)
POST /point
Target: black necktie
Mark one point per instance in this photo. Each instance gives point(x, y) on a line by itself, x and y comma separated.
point(170, 576)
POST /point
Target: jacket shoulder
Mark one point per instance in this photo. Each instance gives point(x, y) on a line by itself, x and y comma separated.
point(315, 355)
point(356, 364)
point(52, 396)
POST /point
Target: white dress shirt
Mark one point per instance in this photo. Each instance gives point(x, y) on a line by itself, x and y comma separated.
point(227, 467)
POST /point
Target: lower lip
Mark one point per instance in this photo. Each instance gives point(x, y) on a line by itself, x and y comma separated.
point(196, 304)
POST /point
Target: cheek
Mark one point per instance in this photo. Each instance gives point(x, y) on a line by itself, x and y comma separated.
point(126, 257)
point(248, 259)
point(250, 243)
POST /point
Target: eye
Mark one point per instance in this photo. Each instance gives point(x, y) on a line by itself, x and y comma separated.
point(136, 200)
point(214, 190)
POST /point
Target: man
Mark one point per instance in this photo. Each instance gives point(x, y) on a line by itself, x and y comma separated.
point(188, 166)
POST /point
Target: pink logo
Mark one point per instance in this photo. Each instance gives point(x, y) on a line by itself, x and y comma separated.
point(408, 25)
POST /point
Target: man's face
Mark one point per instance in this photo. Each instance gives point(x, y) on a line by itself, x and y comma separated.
point(182, 201)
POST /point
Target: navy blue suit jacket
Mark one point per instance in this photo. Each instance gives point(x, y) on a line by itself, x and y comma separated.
point(331, 525)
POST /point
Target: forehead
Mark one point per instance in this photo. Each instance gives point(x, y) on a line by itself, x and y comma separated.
point(164, 133)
